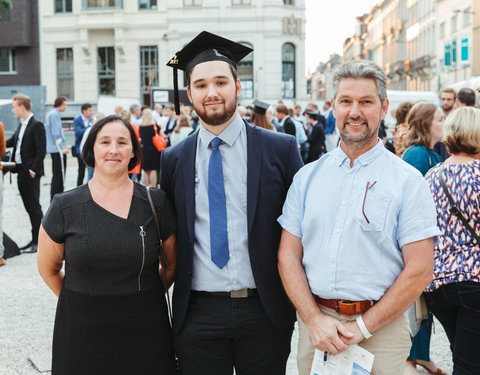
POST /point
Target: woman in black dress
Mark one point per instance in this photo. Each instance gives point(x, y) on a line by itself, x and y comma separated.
point(111, 314)
point(151, 157)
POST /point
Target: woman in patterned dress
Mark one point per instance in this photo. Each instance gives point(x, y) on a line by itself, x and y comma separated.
point(454, 294)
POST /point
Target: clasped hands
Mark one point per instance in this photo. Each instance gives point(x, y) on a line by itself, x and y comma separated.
point(329, 335)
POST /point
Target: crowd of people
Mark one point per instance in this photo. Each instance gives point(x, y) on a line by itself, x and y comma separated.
point(327, 224)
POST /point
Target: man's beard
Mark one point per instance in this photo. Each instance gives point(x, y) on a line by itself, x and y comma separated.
point(219, 117)
point(447, 108)
point(360, 139)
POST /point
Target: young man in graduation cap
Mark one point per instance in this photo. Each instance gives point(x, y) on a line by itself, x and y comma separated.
point(228, 183)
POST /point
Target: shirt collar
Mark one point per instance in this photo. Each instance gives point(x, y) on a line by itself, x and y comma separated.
point(228, 135)
point(366, 158)
point(25, 122)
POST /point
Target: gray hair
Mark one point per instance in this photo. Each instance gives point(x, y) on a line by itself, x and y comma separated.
point(134, 107)
point(358, 69)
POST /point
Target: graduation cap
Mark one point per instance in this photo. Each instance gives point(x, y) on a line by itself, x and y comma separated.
point(312, 115)
point(260, 107)
point(205, 47)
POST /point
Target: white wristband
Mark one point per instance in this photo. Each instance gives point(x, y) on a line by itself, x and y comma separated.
point(363, 328)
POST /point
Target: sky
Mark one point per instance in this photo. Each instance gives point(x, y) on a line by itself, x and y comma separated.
point(329, 23)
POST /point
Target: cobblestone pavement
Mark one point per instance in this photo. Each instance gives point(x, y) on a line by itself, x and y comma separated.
point(27, 306)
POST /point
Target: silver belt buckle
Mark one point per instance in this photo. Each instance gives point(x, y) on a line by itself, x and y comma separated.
point(242, 293)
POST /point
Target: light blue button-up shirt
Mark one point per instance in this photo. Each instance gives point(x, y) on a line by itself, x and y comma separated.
point(237, 273)
point(54, 131)
point(352, 237)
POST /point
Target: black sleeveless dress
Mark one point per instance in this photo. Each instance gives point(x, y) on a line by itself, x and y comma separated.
point(111, 315)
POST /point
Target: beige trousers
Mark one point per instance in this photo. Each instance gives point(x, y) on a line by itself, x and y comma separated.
point(390, 345)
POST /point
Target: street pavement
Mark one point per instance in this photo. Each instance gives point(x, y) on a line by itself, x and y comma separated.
point(27, 306)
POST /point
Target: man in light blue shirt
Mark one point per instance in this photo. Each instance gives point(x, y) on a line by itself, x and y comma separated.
point(56, 144)
point(357, 244)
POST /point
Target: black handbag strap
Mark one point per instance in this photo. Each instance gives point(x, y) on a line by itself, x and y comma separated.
point(163, 257)
point(453, 208)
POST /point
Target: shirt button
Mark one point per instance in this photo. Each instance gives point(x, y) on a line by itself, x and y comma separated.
point(234, 281)
point(349, 175)
point(332, 260)
point(344, 202)
point(330, 289)
point(338, 230)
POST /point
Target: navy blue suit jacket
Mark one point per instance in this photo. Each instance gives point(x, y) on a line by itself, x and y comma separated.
point(79, 128)
point(272, 161)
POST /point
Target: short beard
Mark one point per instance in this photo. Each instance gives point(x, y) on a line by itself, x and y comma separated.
point(364, 138)
point(216, 119)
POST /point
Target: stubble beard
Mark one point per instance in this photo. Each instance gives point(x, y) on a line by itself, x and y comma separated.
point(357, 140)
point(219, 117)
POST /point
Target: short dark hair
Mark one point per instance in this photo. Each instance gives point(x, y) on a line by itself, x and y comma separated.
point(466, 96)
point(448, 90)
point(85, 106)
point(87, 151)
point(59, 101)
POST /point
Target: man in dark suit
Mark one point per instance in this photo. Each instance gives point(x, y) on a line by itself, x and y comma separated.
point(228, 182)
point(29, 149)
point(285, 121)
point(80, 124)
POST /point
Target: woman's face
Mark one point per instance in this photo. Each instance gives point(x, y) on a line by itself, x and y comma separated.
point(113, 149)
point(437, 126)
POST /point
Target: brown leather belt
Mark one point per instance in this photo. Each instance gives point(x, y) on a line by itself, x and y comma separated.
point(345, 307)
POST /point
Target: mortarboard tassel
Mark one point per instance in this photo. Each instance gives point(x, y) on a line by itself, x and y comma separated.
point(175, 91)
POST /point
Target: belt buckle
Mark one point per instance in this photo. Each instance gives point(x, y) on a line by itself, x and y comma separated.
point(242, 293)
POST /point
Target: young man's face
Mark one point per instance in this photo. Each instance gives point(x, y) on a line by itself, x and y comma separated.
point(62, 107)
point(447, 101)
point(213, 92)
point(88, 112)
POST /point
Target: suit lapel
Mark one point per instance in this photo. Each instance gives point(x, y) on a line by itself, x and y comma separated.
point(188, 168)
point(254, 162)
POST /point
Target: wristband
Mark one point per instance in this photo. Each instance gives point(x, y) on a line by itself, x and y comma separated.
point(363, 328)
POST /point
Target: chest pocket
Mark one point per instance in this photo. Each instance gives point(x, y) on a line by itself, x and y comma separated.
point(372, 213)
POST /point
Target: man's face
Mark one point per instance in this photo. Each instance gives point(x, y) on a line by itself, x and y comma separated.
point(297, 111)
point(213, 92)
point(62, 107)
point(447, 101)
point(358, 111)
point(280, 115)
point(18, 110)
point(88, 112)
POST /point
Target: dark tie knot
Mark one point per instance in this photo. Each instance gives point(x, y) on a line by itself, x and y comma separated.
point(215, 143)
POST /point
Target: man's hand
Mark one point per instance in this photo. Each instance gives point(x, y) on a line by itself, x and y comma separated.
point(328, 334)
point(65, 151)
point(352, 327)
point(32, 174)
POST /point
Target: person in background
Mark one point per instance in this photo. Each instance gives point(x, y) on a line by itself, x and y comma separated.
point(242, 111)
point(151, 157)
point(118, 109)
point(260, 115)
point(402, 128)
point(3, 148)
point(466, 97)
point(29, 149)
point(181, 131)
point(54, 133)
point(425, 123)
point(80, 124)
point(136, 114)
point(99, 253)
point(195, 121)
point(284, 119)
point(454, 294)
point(136, 171)
point(316, 138)
point(99, 116)
point(298, 115)
point(447, 98)
point(327, 108)
point(157, 113)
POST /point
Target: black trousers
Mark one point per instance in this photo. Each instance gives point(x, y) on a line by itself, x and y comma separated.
point(29, 189)
point(57, 175)
point(222, 333)
point(81, 171)
point(457, 307)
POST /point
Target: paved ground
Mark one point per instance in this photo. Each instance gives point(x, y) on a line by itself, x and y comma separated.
point(27, 306)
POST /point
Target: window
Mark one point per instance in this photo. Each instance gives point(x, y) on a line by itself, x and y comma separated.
point(454, 23)
point(467, 16)
point(7, 61)
point(245, 74)
point(464, 49)
point(241, 2)
point(454, 52)
point(99, 4)
point(106, 71)
point(192, 3)
point(148, 68)
point(63, 6)
point(289, 2)
point(147, 4)
point(65, 72)
point(448, 55)
point(442, 30)
point(288, 71)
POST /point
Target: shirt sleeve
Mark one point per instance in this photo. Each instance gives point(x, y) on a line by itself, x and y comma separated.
point(53, 222)
point(417, 219)
point(290, 220)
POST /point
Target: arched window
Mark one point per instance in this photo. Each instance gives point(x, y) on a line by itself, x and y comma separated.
point(288, 71)
point(245, 74)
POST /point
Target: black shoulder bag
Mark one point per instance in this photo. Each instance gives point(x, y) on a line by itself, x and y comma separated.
point(453, 208)
point(164, 264)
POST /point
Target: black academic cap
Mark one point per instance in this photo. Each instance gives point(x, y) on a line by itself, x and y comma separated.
point(312, 115)
point(260, 107)
point(205, 47)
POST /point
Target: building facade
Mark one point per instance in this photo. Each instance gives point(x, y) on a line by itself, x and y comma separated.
point(120, 48)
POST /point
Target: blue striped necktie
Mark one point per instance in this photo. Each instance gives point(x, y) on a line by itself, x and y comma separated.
point(217, 207)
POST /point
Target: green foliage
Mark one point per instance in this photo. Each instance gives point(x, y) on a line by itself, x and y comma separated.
point(5, 4)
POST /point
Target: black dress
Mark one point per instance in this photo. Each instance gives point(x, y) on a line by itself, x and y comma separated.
point(111, 315)
point(151, 157)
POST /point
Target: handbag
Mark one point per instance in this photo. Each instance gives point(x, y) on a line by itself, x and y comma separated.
point(74, 151)
point(158, 141)
point(454, 209)
point(164, 264)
